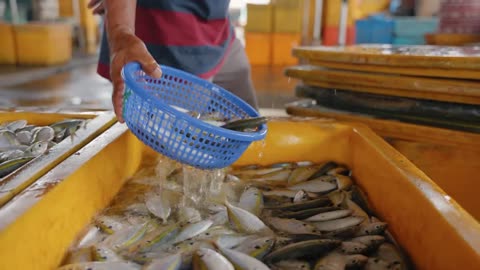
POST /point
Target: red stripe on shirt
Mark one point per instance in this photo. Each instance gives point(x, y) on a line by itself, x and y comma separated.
point(171, 28)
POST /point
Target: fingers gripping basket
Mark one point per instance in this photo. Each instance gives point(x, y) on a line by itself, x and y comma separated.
point(148, 114)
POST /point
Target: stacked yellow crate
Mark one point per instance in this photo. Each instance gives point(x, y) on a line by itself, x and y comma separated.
point(43, 43)
point(258, 33)
point(287, 28)
point(272, 31)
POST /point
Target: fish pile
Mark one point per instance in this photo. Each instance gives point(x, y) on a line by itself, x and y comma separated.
point(21, 142)
point(251, 124)
point(285, 216)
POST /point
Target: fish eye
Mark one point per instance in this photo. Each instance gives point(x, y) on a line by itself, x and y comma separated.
point(375, 260)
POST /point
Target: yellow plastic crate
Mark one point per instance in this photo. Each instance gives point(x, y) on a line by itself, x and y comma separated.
point(288, 19)
point(259, 18)
point(43, 43)
point(282, 46)
point(8, 53)
point(258, 47)
point(21, 178)
point(38, 226)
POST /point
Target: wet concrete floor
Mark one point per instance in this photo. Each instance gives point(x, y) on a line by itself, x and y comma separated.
point(83, 89)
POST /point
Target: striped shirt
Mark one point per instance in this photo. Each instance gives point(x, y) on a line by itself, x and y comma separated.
point(191, 35)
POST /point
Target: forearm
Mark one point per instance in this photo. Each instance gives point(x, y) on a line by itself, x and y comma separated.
point(119, 19)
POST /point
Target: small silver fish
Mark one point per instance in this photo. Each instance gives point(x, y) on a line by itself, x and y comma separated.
point(309, 248)
point(37, 149)
point(43, 134)
point(256, 247)
point(171, 262)
point(374, 228)
point(349, 247)
point(318, 185)
point(291, 265)
point(244, 221)
point(291, 226)
point(330, 215)
point(192, 230)
point(252, 201)
point(331, 225)
point(337, 261)
point(206, 258)
point(158, 205)
point(242, 261)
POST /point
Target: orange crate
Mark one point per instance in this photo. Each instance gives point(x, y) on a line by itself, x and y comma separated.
point(282, 45)
point(259, 48)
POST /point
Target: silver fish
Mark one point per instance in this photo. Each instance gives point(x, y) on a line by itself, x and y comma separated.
point(103, 253)
point(287, 193)
point(291, 265)
point(206, 258)
point(192, 230)
point(188, 215)
point(244, 221)
point(371, 241)
point(252, 201)
point(37, 149)
point(171, 262)
point(16, 125)
point(158, 205)
point(291, 226)
point(8, 140)
point(301, 174)
point(376, 264)
point(11, 154)
point(256, 247)
point(372, 229)
point(388, 253)
point(24, 137)
point(349, 247)
point(11, 165)
point(338, 261)
point(43, 134)
point(230, 241)
point(330, 215)
point(304, 249)
point(317, 185)
point(242, 261)
point(331, 225)
point(343, 182)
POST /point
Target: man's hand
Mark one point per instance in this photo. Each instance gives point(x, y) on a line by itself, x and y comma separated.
point(125, 47)
point(97, 6)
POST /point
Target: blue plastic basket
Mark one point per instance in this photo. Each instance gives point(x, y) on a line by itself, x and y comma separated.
point(148, 113)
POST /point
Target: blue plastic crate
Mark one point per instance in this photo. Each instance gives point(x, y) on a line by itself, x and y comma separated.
point(374, 29)
point(414, 26)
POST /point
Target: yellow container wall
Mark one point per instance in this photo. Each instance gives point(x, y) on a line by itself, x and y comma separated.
point(259, 18)
point(43, 43)
point(8, 54)
point(437, 233)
